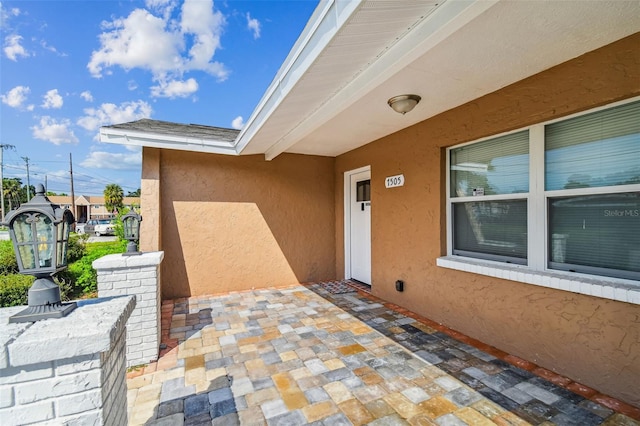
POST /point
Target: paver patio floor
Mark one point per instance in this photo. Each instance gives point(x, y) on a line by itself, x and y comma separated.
point(303, 355)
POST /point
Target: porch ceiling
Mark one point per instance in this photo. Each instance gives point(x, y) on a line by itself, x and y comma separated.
point(330, 95)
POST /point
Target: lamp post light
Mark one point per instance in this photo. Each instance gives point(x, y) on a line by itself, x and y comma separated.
point(39, 231)
point(131, 224)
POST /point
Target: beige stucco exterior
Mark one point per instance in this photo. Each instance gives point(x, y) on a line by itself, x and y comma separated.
point(589, 339)
point(232, 223)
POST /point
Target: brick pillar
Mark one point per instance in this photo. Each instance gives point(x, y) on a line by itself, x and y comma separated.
point(67, 370)
point(137, 276)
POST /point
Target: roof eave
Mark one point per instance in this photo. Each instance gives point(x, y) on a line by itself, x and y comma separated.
point(309, 46)
point(163, 141)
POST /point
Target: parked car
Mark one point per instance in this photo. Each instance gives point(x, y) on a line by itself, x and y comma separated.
point(99, 227)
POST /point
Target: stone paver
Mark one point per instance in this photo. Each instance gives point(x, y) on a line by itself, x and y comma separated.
point(304, 355)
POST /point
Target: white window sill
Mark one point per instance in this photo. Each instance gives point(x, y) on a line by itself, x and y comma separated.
point(607, 288)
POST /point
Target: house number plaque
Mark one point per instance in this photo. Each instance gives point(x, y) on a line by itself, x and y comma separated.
point(394, 181)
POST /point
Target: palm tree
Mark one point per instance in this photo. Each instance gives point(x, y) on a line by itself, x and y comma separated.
point(12, 191)
point(113, 195)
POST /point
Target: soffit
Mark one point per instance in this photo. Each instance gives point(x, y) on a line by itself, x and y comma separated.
point(448, 52)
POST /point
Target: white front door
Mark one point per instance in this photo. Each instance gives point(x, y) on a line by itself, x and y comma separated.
point(360, 224)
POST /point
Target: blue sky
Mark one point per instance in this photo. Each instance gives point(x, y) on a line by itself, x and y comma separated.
point(69, 67)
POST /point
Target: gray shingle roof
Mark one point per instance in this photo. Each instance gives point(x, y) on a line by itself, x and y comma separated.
point(196, 131)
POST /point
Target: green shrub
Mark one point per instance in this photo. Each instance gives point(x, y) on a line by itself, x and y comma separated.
point(77, 247)
point(80, 275)
point(8, 262)
point(14, 289)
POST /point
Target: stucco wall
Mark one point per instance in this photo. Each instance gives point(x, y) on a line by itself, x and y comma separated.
point(150, 227)
point(235, 223)
point(594, 341)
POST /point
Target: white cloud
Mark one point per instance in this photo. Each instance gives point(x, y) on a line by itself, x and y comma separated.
point(132, 85)
point(12, 47)
point(56, 132)
point(50, 48)
point(164, 7)
point(52, 99)
point(138, 41)
point(113, 161)
point(175, 89)
point(165, 47)
point(6, 13)
point(238, 123)
point(87, 96)
point(108, 114)
point(254, 26)
point(16, 97)
point(133, 148)
point(199, 19)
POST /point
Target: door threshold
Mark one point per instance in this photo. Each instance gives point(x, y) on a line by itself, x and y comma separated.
point(359, 285)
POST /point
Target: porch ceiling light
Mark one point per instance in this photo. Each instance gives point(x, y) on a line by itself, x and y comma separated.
point(404, 103)
point(39, 231)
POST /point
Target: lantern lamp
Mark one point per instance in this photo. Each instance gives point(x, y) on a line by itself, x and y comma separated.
point(131, 224)
point(39, 231)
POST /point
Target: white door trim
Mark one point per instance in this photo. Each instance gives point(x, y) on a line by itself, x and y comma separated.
point(347, 217)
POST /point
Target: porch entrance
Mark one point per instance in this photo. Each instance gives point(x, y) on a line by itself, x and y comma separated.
point(358, 225)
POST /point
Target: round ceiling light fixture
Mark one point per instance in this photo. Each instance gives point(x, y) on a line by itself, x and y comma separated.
point(404, 103)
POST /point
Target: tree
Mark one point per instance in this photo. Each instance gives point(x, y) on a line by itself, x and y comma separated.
point(113, 195)
point(24, 193)
point(12, 191)
point(135, 193)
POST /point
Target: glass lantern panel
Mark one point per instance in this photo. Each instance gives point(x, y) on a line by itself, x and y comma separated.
point(27, 256)
point(61, 246)
point(126, 226)
point(22, 228)
point(44, 230)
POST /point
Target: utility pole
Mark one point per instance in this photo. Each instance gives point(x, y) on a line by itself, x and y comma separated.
point(2, 148)
point(26, 160)
point(73, 195)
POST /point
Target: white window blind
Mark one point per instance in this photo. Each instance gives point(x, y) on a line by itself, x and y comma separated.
point(496, 166)
point(595, 150)
point(596, 233)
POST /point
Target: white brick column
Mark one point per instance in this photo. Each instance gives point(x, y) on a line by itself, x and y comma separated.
point(138, 276)
point(68, 370)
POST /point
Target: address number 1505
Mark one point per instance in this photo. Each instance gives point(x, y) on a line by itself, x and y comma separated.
point(394, 181)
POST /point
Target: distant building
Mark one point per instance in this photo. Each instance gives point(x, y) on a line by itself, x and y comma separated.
point(91, 207)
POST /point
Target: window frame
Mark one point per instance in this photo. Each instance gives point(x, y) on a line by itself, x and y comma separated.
point(536, 270)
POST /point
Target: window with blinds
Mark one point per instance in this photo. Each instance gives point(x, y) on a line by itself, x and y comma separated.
point(491, 224)
point(596, 233)
point(580, 189)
